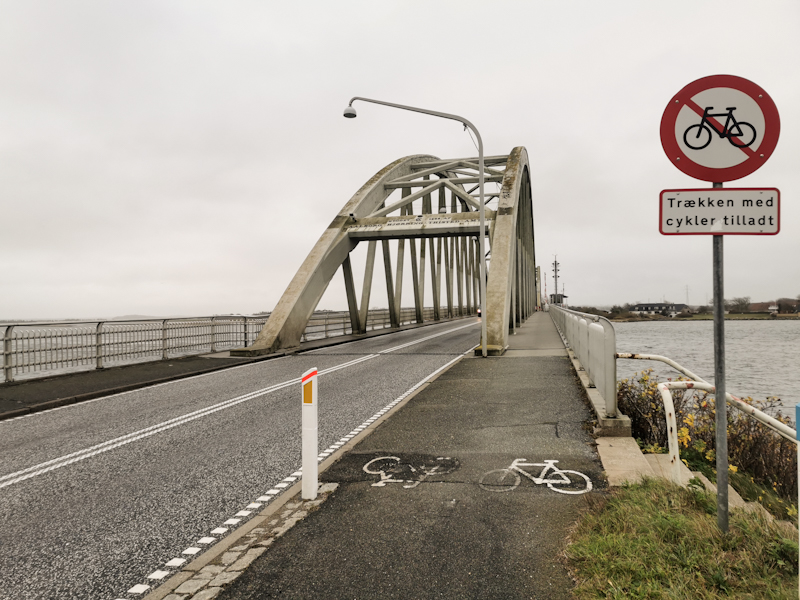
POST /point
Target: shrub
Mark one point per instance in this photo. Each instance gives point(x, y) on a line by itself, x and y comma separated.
point(768, 458)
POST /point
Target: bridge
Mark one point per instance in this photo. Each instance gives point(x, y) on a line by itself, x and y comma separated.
point(437, 214)
point(170, 477)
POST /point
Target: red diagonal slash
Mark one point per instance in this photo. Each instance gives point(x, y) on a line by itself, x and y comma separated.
point(719, 127)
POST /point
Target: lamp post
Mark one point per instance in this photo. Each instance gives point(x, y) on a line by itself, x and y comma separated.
point(350, 113)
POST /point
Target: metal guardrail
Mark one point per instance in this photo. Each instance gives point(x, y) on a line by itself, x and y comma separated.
point(41, 349)
point(698, 383)
point(593, 341)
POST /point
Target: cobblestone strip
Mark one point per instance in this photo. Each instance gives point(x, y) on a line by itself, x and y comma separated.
point(209, 581)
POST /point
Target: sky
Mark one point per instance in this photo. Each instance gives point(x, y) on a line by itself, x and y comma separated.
point(169, 158)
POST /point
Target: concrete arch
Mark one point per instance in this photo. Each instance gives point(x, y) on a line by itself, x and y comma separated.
point(450, 230)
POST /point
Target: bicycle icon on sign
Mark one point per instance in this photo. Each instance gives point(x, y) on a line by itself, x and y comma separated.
point(564, 482)
point(737, 132)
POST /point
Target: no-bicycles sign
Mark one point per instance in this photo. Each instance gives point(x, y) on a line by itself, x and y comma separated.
point(720, 128)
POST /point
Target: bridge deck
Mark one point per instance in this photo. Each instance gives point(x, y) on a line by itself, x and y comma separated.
point(446, 536)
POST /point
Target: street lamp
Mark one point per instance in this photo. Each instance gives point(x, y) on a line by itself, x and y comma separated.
point(350, 113)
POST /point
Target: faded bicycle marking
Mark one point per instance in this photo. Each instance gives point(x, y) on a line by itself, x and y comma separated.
point(562, 481)
point(408, 471)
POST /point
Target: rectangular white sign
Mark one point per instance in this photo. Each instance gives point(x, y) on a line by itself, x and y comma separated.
point(737, 211)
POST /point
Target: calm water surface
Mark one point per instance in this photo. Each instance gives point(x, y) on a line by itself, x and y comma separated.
point(762, 358)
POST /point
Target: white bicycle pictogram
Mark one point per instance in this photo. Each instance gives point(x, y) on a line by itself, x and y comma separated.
point(393, 469)
point(562, 481)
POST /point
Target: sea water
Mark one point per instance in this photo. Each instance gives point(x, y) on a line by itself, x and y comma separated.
point(762, 357)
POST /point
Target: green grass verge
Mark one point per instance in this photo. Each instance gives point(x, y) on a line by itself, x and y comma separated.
point(656, 540)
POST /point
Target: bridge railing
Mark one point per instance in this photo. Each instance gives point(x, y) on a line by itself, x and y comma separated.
point(593, 341)
point(41, 349)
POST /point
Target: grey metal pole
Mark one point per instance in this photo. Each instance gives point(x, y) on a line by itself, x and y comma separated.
point(721, 405)
point(351, 113)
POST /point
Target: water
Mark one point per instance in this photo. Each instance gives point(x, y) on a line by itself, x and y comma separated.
point(762, 358)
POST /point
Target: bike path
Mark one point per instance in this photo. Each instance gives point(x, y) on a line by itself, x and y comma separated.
point(429, 529)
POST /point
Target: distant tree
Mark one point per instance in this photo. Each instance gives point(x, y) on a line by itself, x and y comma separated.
point(703, 310)
point(628, 306)
point(616, 309)
point(786, 305)
point(739, 305)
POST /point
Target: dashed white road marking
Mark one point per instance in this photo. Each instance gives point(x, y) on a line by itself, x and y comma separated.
point(158, 574)
point(177, 562)
point(139, 589)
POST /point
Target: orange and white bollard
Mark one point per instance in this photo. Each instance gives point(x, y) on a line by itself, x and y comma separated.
point(310, 444)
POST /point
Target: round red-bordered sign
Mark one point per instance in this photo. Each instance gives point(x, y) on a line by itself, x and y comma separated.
point(720, 128)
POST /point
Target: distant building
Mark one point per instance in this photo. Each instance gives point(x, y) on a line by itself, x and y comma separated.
point(658, 308)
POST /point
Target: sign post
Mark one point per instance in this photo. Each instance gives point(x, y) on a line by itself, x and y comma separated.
point(310, 448)
point(720, 128)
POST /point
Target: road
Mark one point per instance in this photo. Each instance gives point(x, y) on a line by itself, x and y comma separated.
point(97, 497)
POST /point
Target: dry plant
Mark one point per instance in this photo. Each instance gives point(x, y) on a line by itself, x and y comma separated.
point(766, 457)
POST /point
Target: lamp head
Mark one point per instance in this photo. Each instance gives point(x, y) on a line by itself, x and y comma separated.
point(350, 112)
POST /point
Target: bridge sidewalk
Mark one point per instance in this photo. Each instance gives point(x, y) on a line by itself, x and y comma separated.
point(443, 535)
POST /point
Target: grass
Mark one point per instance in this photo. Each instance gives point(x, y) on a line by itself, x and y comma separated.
point(656, 540)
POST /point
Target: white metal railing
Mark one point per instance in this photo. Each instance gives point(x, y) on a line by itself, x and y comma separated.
point(698, 383)
point(593, 341)
point(42, 349)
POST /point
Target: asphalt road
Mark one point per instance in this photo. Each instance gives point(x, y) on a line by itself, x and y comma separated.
point(97, 496)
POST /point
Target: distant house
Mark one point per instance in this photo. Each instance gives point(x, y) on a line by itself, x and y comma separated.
point(658, 308)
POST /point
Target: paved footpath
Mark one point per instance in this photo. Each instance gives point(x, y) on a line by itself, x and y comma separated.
point(410, 518)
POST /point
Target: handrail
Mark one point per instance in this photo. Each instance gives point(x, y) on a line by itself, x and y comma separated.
point(700, 384)
point(593, 340)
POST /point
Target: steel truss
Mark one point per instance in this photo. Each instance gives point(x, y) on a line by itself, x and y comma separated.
point(437, 213)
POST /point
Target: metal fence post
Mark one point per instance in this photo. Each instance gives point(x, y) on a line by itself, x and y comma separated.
point(98, 344)
point(245, 331)
point(8, 368)
point(213, 334)
point(610, 367)
point(164, 352)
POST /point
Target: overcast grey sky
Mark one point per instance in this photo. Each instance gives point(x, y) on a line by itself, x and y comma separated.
point(181, 158)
